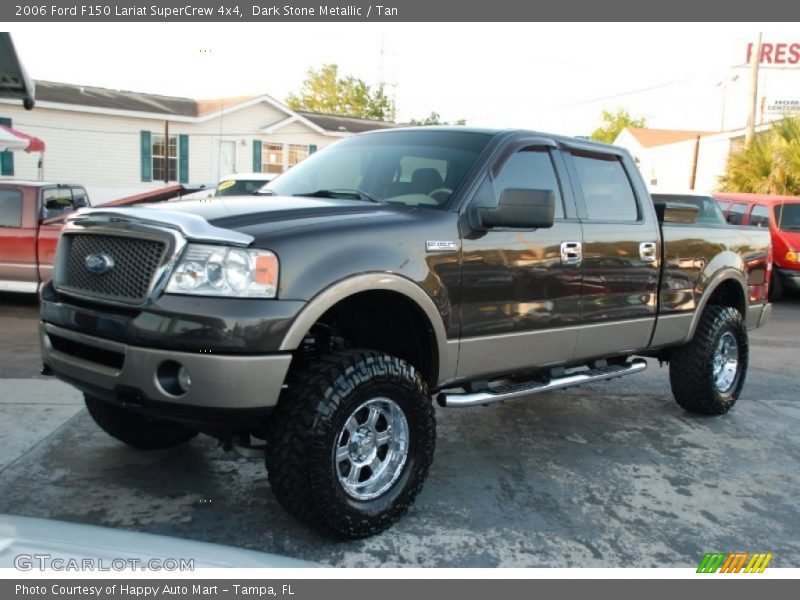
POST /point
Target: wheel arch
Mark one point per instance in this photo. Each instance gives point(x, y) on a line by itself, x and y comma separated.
point(445, 354)
point(727, 287)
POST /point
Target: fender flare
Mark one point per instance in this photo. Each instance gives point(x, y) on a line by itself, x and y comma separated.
point(718, 279)
point(366, 282)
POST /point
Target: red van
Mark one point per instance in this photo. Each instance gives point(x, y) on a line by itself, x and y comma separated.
point(782, 215)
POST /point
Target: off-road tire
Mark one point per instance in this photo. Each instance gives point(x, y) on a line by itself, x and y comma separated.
point(304, 431)
point(775, 287)
point(691, 368)
point(135, 429)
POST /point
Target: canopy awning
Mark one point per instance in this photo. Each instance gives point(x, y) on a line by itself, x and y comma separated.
point(12, 139)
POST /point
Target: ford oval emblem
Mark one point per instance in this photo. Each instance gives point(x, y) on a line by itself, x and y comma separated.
point(99, 263)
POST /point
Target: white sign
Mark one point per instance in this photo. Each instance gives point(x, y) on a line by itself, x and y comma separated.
point(780, 106)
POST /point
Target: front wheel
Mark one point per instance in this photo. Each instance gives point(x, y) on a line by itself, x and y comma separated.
point(707, 374)
point(350, 445)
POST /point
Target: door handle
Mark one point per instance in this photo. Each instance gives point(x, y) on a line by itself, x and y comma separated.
point(571, 253)
point(647, 252)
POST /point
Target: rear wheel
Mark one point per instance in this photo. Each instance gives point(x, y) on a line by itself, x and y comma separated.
point(707, 374)
point(350, 446)
point(135, 429)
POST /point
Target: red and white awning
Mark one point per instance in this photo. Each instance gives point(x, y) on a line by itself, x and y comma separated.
point(11, 139)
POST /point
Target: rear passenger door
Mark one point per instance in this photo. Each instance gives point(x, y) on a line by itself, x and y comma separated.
point(621, 251)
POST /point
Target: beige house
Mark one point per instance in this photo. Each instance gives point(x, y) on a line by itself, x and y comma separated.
point(117, 143)
point(678, 160)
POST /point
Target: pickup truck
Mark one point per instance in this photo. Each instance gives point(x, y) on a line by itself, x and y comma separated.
point(316, 325)
point(31, 217)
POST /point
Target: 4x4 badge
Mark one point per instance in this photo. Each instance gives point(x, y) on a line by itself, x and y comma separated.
point(440, 246)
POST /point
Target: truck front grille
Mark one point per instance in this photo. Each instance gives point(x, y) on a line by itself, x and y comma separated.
point(130, 266)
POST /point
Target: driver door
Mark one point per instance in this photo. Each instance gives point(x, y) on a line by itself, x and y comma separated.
point(521, 289)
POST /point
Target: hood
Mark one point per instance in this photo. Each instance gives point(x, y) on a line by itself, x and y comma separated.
point(265, 214)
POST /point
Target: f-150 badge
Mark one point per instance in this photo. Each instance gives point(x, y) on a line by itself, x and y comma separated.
point(440, 246)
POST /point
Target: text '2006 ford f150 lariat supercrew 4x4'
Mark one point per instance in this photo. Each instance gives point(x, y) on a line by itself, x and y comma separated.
point(319, 321)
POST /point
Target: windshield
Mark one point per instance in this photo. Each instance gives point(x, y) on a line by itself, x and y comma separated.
point(239, 187)
point(787, 216)
point(415, 168)
point(710, 211)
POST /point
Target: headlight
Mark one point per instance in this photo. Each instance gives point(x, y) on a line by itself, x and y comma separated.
point(220, 271)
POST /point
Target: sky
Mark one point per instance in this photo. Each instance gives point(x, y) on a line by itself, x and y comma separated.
point(548, 77)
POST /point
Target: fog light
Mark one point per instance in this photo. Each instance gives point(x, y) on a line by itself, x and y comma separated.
point(184, 379)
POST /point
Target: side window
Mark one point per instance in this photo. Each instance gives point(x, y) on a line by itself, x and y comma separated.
point(56, 202)
point(530, 169)
point(10, 208)
point(79, 197)
point(606, 188)
point(736, 213)
point(759, 216)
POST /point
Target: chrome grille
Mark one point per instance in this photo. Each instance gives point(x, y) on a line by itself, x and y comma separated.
point(135, 262)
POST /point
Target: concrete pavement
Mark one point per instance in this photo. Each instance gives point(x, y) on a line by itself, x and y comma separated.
point(612, 474)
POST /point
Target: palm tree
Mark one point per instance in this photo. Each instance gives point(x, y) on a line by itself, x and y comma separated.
point(769, 165)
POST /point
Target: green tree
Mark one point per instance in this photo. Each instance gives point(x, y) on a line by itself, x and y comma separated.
point(614, 123)
point(770, 164)
point(435, 119)
point(325, 91)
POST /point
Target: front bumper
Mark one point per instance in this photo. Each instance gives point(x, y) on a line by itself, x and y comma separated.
point(134, 375)
point(790, 278)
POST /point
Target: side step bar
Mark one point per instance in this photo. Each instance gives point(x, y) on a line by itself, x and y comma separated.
point(528, 388)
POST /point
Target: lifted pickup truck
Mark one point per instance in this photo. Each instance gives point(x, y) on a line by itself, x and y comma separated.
point(317, 324)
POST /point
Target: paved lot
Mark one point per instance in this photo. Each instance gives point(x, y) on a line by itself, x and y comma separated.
point(613, 474)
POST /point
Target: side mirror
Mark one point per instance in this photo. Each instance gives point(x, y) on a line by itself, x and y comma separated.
point(518, 209)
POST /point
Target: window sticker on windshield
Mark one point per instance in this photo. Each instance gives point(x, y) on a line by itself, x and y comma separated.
point(226, 184)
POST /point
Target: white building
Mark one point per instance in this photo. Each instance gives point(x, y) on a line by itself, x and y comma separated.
point(113, 142)
point(666, 157)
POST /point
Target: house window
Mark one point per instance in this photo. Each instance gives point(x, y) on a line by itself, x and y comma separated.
point(161, 159)
point(272, 158)
point(296, 153)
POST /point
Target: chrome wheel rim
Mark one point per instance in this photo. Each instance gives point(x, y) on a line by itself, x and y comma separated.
point(726, 362)
point(371, 449)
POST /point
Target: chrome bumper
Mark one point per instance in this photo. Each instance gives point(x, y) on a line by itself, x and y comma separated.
point(217, 381)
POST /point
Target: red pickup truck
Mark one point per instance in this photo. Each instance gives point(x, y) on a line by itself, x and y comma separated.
point(31, 217)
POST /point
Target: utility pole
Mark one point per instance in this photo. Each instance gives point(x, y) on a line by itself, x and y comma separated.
point(755, 60)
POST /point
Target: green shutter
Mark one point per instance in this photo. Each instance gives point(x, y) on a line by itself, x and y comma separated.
point(312, 148)
point(183, 158)
point(256, 156)
point(146, 156)
point(7, 157)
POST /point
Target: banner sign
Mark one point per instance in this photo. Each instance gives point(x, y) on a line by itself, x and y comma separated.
point(393, 11)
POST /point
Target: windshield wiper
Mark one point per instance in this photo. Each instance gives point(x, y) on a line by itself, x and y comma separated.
point(355, 194)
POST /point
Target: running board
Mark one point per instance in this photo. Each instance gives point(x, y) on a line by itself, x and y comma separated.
point(528, 388)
